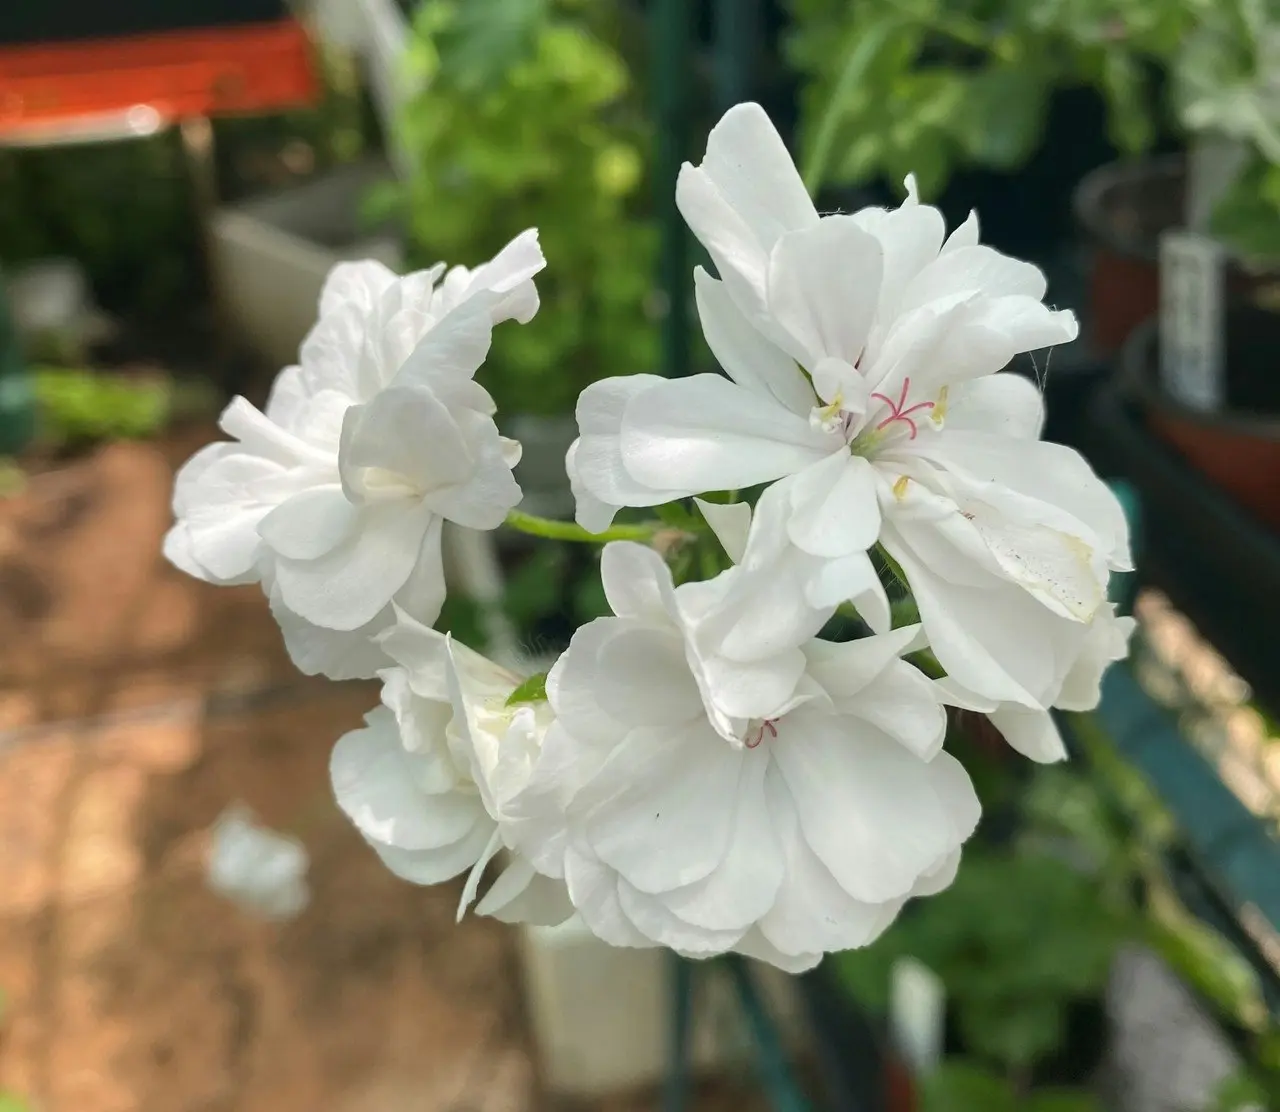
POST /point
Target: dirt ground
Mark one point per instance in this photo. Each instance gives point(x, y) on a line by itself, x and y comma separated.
point(134, 705)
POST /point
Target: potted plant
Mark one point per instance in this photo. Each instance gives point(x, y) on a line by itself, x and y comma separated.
point(1225, 98)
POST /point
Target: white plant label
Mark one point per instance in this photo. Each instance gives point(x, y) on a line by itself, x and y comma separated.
point(1191, 329)
point(917, 1011)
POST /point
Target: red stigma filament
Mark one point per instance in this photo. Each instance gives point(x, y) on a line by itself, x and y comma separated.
point(767, 724)
point(897, 413)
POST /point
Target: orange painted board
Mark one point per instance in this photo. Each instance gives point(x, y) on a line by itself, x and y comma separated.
point(256, 67)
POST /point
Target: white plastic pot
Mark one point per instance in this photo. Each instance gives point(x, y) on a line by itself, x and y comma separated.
point(270, 255)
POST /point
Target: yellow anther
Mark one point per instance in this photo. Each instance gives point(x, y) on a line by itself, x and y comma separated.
point(939, 412)
point(900, 487)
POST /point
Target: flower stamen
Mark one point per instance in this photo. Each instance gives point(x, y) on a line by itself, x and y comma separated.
point(898, 413)
point(767, 724)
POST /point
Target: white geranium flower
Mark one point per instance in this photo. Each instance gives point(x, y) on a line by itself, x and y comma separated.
point(1087, 655)
point(334, 497)
point(800, 830)
point(261, 871)
point(431, 778)
point(861, 352)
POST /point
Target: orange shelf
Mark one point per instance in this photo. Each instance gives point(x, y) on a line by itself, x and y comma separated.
point(164, 77)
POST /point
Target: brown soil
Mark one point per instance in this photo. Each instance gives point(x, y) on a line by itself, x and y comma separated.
point(134, 705)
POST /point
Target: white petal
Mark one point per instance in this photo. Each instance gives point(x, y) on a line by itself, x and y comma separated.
point(846, 668)
point(520, 895)
point(664, 810)
point(360, 284)
point(744, 195)
point(750, 167)
point(423, 593)
point(490, 491)
point(904, 706)
point(1106, 641)
point(963, 235)
point(744, 886)
point(754, 945)
point(1033, 733)
point(1054, 475)
point(707, 433)
point(813, 912)
point(347, 587)
point(834, 507)
point(751, 360)
point(824, 281)
point(644, 678)
point(867, 806)
point(455, 347)
point(374, 781)
point(731, 524)
point(1003, 404)
point(974, 269)
point(437, 865)
point(991, 641)
point(325, 652)
point(911, 237)
point(600, 480)
point(637, 582)
point(652, 915)
point(310, 523)
point(593, 890)
point(408, 433)
point(572, 686)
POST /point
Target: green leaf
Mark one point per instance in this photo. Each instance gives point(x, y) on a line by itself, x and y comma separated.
point(1016, 1032)
point(1062, 1100)
point(1247, 218)
point(864, 43)
point(533, 690)
point(1004, 114)
point(1129, 123)
point(11, 1103)
point(960, 1086)
point(485, 38)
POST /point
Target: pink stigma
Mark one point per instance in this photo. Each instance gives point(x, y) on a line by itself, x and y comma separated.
point(897, 413)
point(767, 724)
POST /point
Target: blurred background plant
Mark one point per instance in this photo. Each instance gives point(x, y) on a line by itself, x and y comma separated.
point(1226, 85)
point(974, 85)
point(527, 115)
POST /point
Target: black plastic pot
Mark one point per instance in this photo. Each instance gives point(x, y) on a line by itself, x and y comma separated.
point(1123, 208)
point(1218, 564)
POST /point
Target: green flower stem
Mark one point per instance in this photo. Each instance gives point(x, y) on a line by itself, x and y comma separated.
point(567, 531)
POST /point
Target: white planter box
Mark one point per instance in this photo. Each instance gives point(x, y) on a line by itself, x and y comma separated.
point(270, 256)
point(601, 1016)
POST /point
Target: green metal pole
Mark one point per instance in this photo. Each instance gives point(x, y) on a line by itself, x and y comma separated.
point(672, 27)
point(738, 32)
point(17, 400)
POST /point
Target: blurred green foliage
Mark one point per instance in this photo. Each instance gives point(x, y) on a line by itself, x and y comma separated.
point(526, 115)
point(946, 84)
point(932, 86)
point(1028, 929)
point(1018, 938)
point(964, 1086)
point(78, 407)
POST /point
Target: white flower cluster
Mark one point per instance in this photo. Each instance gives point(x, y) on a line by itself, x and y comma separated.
point(699, 770)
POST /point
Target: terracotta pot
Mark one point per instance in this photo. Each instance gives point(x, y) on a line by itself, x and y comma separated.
point(1238, 448)
point(1123, 208)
